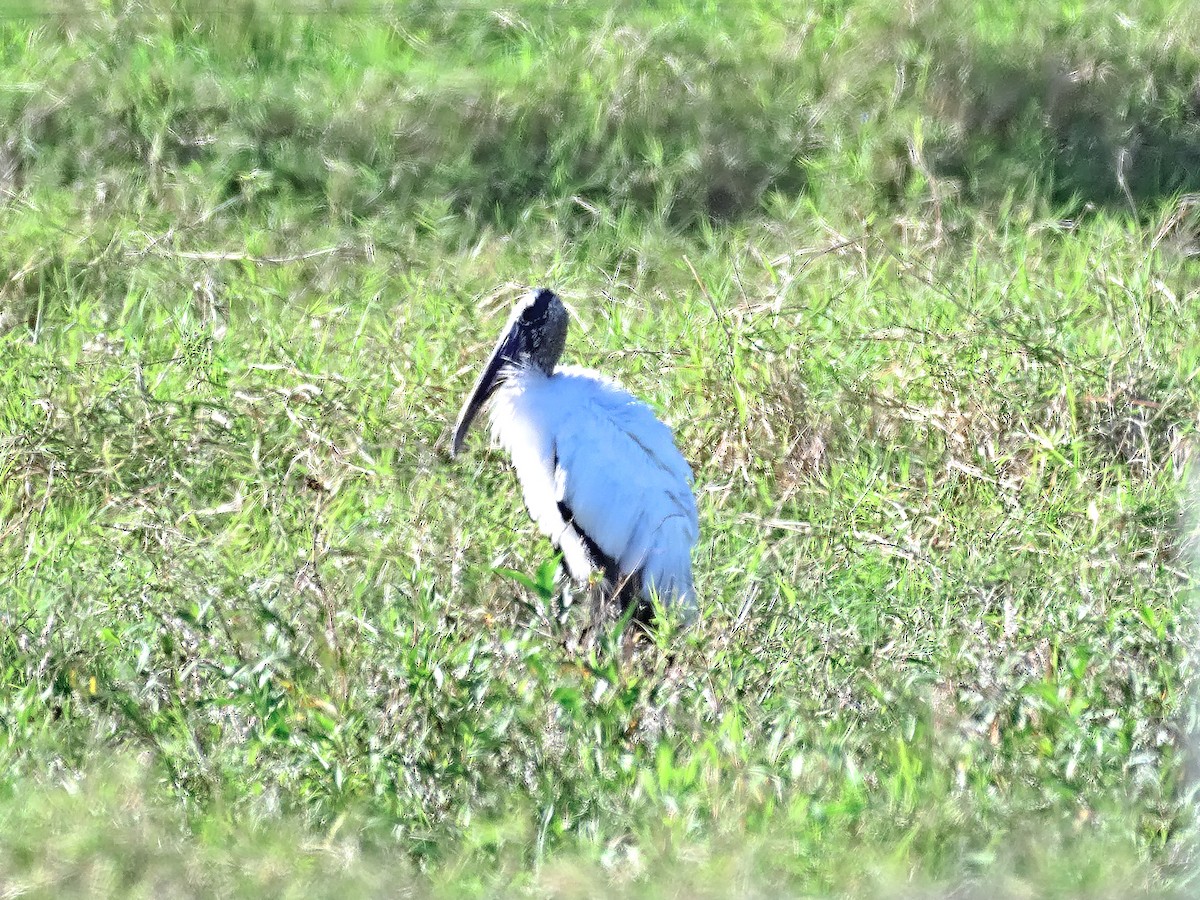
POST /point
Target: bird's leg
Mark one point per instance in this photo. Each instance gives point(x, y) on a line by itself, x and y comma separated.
point(565, 598)
point(637, 631)
point(598, 610)
point(629, 643)
point(599, 607)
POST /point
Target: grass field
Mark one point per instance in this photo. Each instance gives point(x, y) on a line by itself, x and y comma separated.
point(916, 285)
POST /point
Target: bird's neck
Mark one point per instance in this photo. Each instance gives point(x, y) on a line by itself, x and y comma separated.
point(525, 367)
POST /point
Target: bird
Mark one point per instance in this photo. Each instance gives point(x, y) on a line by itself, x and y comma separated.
point(600, 474)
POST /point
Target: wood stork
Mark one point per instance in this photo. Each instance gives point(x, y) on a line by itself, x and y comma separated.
point(600, 475)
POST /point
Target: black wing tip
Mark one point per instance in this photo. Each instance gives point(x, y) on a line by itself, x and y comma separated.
point(600, 558)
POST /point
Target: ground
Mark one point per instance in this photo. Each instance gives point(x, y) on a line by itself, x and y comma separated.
point(917, 288)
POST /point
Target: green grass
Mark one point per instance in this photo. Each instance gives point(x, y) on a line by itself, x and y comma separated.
point(918, 292)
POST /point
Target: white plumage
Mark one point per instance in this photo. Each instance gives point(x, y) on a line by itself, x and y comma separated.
point(578, 439)
point(600, 474)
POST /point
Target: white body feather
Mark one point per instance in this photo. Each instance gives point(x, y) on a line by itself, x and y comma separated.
point(577, 437)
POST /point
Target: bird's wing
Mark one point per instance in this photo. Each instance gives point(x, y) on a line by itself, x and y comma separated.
point(625, 483)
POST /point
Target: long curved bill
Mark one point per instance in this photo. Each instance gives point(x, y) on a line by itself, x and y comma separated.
point(504, 353)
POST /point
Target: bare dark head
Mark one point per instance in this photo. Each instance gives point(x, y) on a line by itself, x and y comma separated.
point(535, 335)
point(538, 325)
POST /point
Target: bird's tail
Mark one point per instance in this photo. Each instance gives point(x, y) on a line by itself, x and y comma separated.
point(667, 572)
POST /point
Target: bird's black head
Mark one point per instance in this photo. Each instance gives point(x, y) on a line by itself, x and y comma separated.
point(536, 304)
point(534, 336)
point(537, 330)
